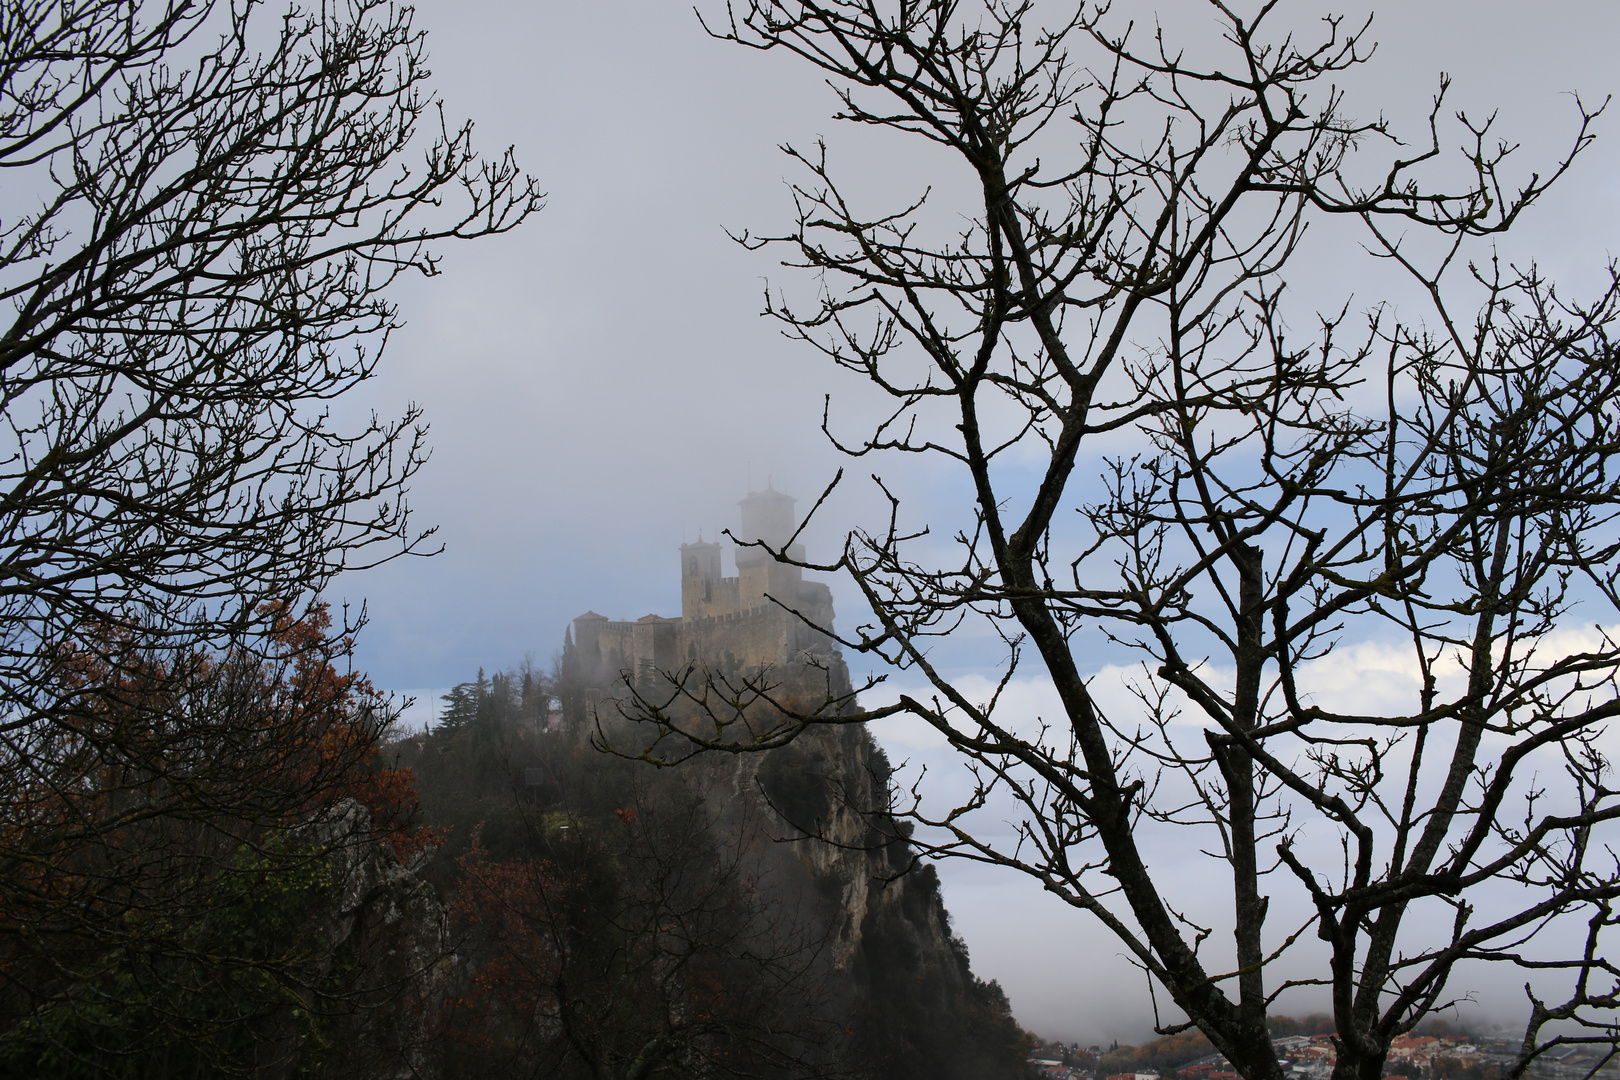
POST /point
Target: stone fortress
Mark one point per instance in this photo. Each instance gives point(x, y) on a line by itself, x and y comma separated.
point(733, 624)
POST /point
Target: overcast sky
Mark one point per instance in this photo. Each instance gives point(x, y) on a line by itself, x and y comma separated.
point(601, 386)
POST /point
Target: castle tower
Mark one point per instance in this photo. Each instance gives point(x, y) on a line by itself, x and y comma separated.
point(700, 579)
point(767, 515)
point(588, 634)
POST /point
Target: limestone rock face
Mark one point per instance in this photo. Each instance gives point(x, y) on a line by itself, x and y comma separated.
point(373, 888)
point(864, 855)
point(385, 922)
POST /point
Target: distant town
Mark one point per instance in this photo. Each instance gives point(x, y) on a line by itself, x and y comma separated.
point(1435, 1053)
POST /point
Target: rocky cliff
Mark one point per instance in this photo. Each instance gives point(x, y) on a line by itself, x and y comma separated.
point(747, 915)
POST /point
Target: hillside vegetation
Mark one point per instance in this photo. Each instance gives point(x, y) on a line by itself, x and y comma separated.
point(612, 917)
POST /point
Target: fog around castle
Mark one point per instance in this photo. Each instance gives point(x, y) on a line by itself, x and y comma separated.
point(603, 392)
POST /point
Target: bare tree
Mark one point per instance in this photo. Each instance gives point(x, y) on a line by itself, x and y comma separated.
point(205, 206)
point(1440, 482)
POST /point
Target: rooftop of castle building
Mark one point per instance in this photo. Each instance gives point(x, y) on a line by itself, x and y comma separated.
point(769, 493)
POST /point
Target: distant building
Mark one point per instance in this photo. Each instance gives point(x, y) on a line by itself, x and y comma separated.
point(760, 618)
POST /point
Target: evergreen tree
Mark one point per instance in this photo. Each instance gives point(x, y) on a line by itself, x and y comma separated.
point(463, 704)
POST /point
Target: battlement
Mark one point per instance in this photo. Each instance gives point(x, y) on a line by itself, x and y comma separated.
point(706, 621)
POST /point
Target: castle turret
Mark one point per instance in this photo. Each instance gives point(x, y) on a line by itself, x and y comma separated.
point(768, 516)
point(588, 643)
point(700, 579)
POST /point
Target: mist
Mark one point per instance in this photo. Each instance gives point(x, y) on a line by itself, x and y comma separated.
point(602, 388)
